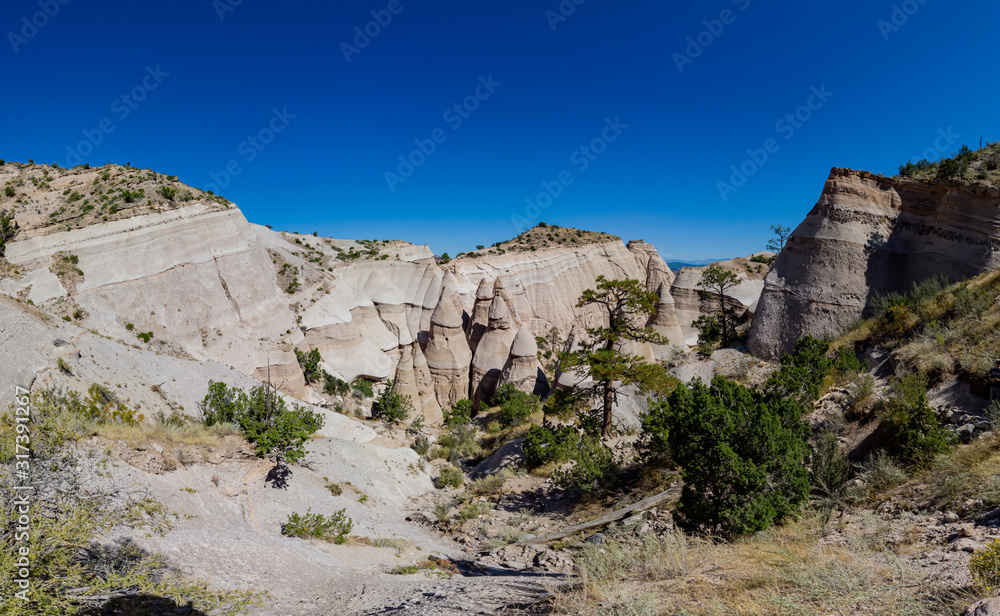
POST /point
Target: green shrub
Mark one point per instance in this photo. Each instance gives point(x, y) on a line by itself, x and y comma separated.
point(516, 406)
point(334, 528)
point(547, 443)
point(102, 407)
point(592, 469)
point(263, 418)
point(309, 362)
point(421, 445)
point(860, 394)
point(9, 191)
point(363, 387)
point(449, 476)
point(742, 455)
point(459, 414)
point(950, 168)
point(846, 363)
point(333, 386)
point(910, 169)
point(915, 435)
point(168, 192)
point(7, 229)
point(459, 442)
point(145, 336)
point(130, 196)
point(709, 331)
point(653, 445)
point(391, 405)
point(802, 371)
point(830, 470)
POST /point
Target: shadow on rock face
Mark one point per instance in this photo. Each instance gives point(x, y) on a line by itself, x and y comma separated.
point(143, 605)
point(279, 475)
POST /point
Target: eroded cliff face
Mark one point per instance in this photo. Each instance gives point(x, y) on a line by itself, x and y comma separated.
point(869, 233)
point(209, 286)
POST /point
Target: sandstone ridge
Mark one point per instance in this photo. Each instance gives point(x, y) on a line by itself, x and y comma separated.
point(870, 234)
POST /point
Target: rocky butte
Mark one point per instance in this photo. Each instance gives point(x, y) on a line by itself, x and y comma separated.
point(871, 234)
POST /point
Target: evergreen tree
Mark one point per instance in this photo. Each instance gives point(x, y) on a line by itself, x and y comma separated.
point(627, 305)
point(742, 455)
point(717, 281)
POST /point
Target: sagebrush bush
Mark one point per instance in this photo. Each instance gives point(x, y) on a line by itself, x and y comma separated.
point(880, 472)
point(449, 477)
point(333, 528)
point(421, 445)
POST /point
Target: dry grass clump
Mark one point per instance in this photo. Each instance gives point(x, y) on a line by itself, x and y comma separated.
point(938, 329)
point(788, 570)
point(170, 434)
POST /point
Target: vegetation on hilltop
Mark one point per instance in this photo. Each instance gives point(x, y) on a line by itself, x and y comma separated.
point(44, 196)
point(543, 236)
point(980, 166)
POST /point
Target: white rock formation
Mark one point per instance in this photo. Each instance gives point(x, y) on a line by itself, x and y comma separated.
point(522, 368)
point(448, 354)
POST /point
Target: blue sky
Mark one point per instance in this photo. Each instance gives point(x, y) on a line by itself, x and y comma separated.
point(192, 87)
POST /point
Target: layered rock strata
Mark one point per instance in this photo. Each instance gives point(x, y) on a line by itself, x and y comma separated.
point(872, 234)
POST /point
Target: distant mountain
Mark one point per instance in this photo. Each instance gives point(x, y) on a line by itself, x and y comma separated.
point(676, 265)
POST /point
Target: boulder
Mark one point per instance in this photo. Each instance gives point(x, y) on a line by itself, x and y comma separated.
point(510, 454)
point(984, 607)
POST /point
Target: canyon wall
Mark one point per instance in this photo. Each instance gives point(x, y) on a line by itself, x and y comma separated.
point(866, 234)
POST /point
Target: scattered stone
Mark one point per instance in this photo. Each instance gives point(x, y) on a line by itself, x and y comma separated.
point(984, 607)
point(964, 544)
point(950, 517)
point(598, 539)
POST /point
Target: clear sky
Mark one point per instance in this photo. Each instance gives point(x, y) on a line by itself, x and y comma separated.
point(630, 124)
